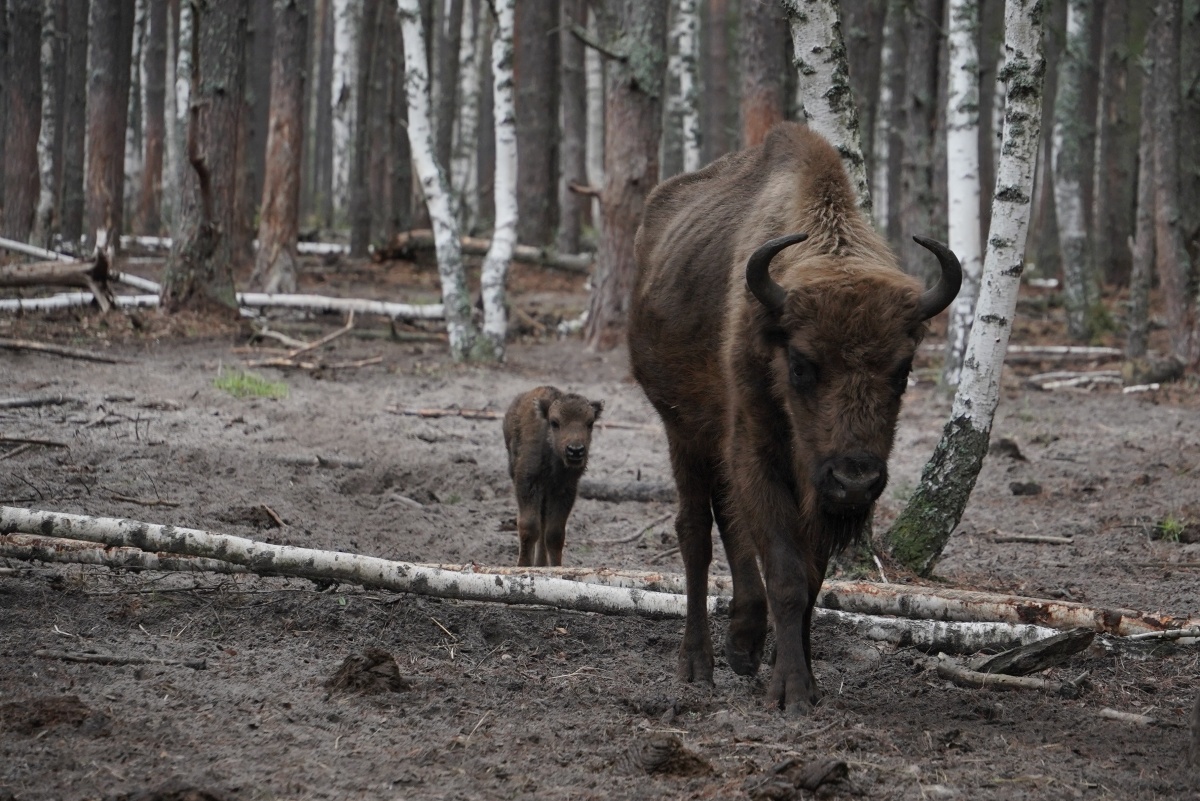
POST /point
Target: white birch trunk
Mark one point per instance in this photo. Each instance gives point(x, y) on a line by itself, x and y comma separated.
point(494, 275)
point(49, 161)
point(180, 101)
point(685, 34)
point(464, 174)
point(998, 107)
point(135, 131)
point(962, 170)
point(889, 62)
point(593, 66)
point(923, 528)
point(461, 330)
point(346, 15)
point(316, 303)
point(823, 85)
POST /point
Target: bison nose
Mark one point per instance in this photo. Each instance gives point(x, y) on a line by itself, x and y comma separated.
point(855, 480)
point(575, 453)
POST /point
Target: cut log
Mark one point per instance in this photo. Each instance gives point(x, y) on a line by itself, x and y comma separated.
point(949, 669)
point(627, 491)
point(407, 244)
point(407, 311)
point(32, 548)
point(1037, 656)
point(60, 350)
point(33, 250)
point(93, 276)
point(71, 300)
point(164, 243)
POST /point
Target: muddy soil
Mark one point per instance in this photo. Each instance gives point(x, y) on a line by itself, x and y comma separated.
point(453, 700)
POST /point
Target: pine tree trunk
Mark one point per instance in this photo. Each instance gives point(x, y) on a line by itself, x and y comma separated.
point(109, 60)
point(824, 85)
point(448, 20)
point(1189, 145)
point(23, 118)
point(924, 526)
point(762, 63)
point(279, 218)
point(323, 137)
point(149, 214)
point(889, 121)
point(464, 338)
point(464, 166)
point(1113, 181)
point(719, 116)
point(74, 119)
point(1171, 258)
point(864, 54)
point(199, 272)
point(50, 140)
point(4, 43)
point(1073, 132)
point(593, 68)
point(963, 189)
point(494, 274)
point(573, 122)
point(633, 120)
point(360, 178)
point(252, 132)
point(401, 171)
point(918, 193)
point(1142, 267)
point(536, 74)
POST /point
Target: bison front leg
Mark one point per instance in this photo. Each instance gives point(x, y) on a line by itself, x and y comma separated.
point(791, 588)
point(747, 633)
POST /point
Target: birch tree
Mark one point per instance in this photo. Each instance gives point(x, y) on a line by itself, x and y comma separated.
point(687, 37)
point(504, 236)
point(963, 192)
point(593, 74)
point(465, 341)
point(50, 138)
point(24, 118)
point(109, 61)
point(1072, 132)
point(824, 85)
point(177, 162)
point(888, 118)
point(1142, 265)
point(464, 166)
point(346, 15)
point(924, 526)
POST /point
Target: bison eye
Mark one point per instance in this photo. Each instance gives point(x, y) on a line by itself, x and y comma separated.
point(900, 377)
point(802, 372)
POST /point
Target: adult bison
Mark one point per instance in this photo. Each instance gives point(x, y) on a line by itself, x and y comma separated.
point(779, 386)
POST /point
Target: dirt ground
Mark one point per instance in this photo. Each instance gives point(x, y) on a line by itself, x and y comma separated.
point(497, 702)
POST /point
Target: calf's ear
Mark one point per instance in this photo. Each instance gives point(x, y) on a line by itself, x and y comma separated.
point(597, 407)
point(543, 407)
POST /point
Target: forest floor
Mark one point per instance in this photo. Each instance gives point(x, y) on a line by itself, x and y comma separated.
point(495, 701)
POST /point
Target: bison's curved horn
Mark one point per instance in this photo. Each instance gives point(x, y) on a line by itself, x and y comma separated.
point(758, 276)
point(943, 292)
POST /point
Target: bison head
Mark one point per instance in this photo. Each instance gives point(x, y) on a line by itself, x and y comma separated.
point(570, 418)
point(841, 334)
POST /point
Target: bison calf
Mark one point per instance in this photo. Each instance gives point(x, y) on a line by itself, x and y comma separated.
point(547, 433)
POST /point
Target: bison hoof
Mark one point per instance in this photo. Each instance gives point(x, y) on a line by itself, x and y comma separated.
point(795, 694)
point(744, 654)
point(695, 667)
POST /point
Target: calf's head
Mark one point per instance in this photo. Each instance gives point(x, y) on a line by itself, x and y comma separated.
point(570, 419)
point(842, 335)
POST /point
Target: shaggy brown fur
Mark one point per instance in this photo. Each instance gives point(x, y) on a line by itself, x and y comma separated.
point(547, 434)
point(779, 418)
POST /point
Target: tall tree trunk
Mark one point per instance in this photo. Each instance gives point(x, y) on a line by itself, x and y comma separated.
point(824, 85)
point(3, 89)
point(1142, 251)
point(108, 106)
point(74, 119)
point(402, 176)
point(1073, 133)
point(593, 68)
point(50, 140)
point(762, 63)
point(918, 193)
point(1112, 194)
point(633, 120)
point(889, 125)
point(465, 341)
point(149, 214)
point(536, 75)
point(573, 124)
point(682, 112)
point(279, 220)
point(1189, 143)
point(493, 277)
point(447, 20)
point(1171, 258)
point(23, 119)
point(485, 139)
point(134, 123)
point(199, 273)
point(323, 138)
point(1043, 226)
point(963, 190)
point(347, 15)
point(252, 132)
point(464, 167)
point(177, 158)
point(360, 186)
point(862, 31)
point(717, 109)
point(924, 526)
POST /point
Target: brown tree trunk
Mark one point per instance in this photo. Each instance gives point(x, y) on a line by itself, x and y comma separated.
point(1112, 192)
point(573, 144)
point(253, 131)
point(74, 119)
point(1172, 263)
point(379, 158)
point(149, 214)
point(109, 60)
point(862, 31)
point(716, 107)
point(360, 178)
point(633, 119)
point(918, 195)
point(23, 120)
point(402, 179)
point(279, 218)
point(50, 148)
point(535, 73)
point(1142, 264)
point(199, 273)
point(322, 130)
point(448, 15)
point(1043, 224)
point(3, 84)
point(762, 63)
point(485, 159)
point(1189, 142)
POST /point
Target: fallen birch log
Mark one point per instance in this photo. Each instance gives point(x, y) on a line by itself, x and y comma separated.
point(33, 250)
point(424, 311)
point(407, 244)
point(72, 300)
point(964, 677)
point(165, 242)
point(92, 276)
point(931, 636)
point(33, 548)
point(1029, 353)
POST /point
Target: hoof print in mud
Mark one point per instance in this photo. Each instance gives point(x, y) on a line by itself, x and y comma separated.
point(372, 671)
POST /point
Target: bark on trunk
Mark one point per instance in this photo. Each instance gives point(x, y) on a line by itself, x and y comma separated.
point(633, 119)
point(74, 119)
point(963, 190)
point(494, 274)
point(23, 118)
point(1113, 181)
point(573, 121)
point(109, 60)
point(889, 120)
point(464, 168)
point(918, 192)
point(593, 67)
point(50, 140)
point(536, 74)
point(368, 60)
point(1073, 132)
point(824, 85)
point(346, 20)
point(199, 272)
point(402, 177)
point(149, 214)
point(922, 529)
point(279, 219)
point(762, 63)
point(687, 30)
point(1142, 246)
point(448, 18)
point(719, 118)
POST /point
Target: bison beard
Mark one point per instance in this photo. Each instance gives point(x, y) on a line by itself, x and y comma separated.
point(779, 382)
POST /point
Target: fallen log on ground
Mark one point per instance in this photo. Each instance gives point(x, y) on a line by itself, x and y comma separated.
point(407, 244)
point(29, 547)
point(408, 311)
point(116, 659)
point(165, 242)
point(949, 669)
point(72, 300)
point(1038, 656)
point(93, 276)
point(60, 350)
point(623, 491)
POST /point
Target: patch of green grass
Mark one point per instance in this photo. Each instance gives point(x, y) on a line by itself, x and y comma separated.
point(453, 498)
point(1170, 528)
point(241, 384)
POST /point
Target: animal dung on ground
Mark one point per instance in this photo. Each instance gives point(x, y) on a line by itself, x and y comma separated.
point(665, 754)
point(548, 435)
point(373, 671)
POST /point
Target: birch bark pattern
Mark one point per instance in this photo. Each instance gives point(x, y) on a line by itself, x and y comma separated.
point(461, 331)
point(962, 189)
point(346, 15)
point(593, 76)
point(823, 85)
point(924, 526)
point(888, 116)
point(494, 275)
point(464, 166)
point(49, 145)
point(686, 32)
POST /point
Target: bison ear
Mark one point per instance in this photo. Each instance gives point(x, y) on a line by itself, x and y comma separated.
point(597, 408)
point(543, 406)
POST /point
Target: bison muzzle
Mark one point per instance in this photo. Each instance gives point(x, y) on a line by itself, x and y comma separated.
point(773, 330)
